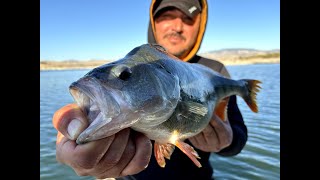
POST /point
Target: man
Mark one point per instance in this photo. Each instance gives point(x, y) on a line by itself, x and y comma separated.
point(178, 26)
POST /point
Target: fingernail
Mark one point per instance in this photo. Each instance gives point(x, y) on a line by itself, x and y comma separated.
point(74, 129)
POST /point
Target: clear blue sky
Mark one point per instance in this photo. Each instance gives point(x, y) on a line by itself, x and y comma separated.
point(107, 29)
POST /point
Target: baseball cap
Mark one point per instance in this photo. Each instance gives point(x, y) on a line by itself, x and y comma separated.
point(189, 7)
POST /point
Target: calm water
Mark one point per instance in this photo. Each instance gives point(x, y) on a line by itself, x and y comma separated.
point(260, 159)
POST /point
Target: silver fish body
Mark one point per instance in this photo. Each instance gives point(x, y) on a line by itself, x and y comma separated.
point(154, 93)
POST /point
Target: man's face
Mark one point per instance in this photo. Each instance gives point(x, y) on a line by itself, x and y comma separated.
point(176, 31)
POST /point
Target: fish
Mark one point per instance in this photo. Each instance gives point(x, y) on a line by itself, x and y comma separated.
point(153, 92)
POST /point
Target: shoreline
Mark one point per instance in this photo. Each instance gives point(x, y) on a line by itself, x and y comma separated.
point(79, 65)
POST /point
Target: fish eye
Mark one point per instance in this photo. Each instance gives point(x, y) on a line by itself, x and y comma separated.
point(123, 73)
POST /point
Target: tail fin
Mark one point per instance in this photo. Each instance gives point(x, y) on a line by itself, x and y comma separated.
point(250, 99)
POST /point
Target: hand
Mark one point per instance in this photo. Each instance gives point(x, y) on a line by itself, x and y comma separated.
point(216, 136)
point(124, 153)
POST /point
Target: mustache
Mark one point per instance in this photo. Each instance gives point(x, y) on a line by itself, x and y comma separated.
point(174, 34)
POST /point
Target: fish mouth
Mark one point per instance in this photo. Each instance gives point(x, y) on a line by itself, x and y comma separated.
point(101, 105)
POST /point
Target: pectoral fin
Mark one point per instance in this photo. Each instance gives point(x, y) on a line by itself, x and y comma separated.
point(192, 111)
point(196, 108)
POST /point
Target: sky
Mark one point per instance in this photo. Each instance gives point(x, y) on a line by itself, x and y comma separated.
point(108, 30)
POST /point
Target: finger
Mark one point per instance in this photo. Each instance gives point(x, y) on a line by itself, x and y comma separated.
point(207, 140)
point(84, 156)
point(70, 121)
point(223, 131)
point(126, 157)
point(196, 140)
point(209, 135)
point(59, 137)
point(89, 155)
point(216, 121)
point(142, 156)
point(116, 149)
point(64, 147)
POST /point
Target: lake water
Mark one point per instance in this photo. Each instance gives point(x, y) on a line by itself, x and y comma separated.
point(260, 158)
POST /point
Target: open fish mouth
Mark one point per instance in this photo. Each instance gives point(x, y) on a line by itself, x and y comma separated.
point(99, 105)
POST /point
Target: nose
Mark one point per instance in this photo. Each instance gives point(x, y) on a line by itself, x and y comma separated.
point(177, 25)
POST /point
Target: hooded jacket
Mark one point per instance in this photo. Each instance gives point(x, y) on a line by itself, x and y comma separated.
point(180, 166)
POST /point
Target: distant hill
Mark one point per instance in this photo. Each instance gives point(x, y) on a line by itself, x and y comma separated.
point(244, 56)
point(243, 51)
point(227, 56)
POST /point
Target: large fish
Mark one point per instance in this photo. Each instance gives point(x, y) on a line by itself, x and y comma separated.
point(156, 94)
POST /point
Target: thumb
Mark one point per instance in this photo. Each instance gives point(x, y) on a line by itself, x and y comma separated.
point(70, 121)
